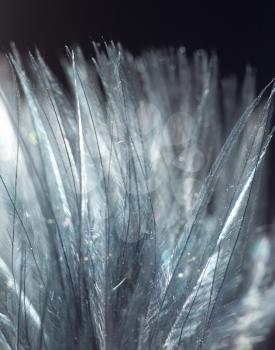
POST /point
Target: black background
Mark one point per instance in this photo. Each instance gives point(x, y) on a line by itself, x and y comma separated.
point(241, 33)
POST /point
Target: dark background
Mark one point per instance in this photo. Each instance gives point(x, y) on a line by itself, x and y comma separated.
point(241, 33)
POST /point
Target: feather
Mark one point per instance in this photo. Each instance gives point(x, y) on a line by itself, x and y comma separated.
point(129, 204)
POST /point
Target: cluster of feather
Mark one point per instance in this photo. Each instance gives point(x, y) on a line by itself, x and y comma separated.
point(132, 205)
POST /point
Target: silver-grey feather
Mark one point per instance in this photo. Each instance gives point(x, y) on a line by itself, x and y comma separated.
point(129, 205)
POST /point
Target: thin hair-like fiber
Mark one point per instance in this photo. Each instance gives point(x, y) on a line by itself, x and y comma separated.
point(132, 204)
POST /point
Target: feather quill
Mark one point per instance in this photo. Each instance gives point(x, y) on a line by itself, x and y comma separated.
point(129, 205)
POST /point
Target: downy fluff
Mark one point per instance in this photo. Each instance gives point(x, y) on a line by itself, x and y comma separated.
point(132, 205)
